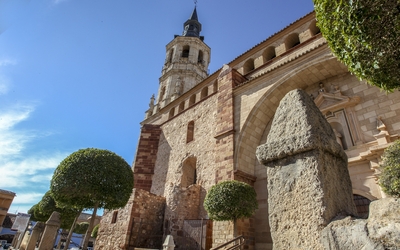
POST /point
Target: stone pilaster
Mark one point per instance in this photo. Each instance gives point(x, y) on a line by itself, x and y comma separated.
point(36, 231)
point(50, 232)
point(146, 155)
point(227, 80)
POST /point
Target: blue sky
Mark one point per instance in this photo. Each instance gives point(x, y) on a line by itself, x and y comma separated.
point(77, 73)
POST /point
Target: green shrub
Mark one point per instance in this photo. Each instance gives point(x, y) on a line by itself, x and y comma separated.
point(389, 179)
point(365, 36)
point(95, 231)
point(230, 200)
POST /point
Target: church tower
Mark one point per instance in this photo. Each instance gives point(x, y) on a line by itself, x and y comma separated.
point(186, 63)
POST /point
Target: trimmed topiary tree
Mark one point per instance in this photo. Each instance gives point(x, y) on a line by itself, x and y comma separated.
point(81, 228)
point(389, 178)
point(231, 200)
point(90, 179)
point(95, 231)
point(365, 36)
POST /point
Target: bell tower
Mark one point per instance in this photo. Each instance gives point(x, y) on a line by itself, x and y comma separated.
point(186, 63)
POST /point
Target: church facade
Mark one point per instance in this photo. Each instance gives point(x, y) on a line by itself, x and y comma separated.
point(201, 129)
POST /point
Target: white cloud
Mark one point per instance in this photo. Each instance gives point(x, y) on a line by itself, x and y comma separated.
point(59, 1)
point(7, 62)
point(23, 202)
point(12, 141)
point(29, 172)
point(5, 81)
point(3, 86)
point(27, 198)
point(24, 172)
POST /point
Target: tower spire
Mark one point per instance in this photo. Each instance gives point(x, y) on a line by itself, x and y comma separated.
point(192, 27)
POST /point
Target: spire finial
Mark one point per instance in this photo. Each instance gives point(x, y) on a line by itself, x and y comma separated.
point(195, 3)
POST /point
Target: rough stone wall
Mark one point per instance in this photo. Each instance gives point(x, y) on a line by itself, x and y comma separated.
point(186, 202)
point(184, 205)
point(174, 150)
point(143, 167)
point(135, 224)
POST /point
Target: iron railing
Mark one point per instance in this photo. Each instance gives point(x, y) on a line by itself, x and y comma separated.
point(237, 243)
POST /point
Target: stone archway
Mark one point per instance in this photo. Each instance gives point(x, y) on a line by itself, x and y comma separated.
point(263, 110)
point(255, 129)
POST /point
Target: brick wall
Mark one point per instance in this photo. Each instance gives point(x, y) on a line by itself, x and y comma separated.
point(227, 80)
point(143, 168)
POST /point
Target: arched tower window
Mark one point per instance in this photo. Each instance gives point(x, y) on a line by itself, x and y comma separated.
point(292, 40)
point(181, 106)
point(170, 55)
point(114, 217)
point(171, 113)
point(190, 132)
point(314, 28)
point(204, 93)
point(185, 51)
point(162, 93)
point(189, 175)
point(215, 86)
point(200, 57)
point(248, 66)
point(192, 100)
point(269, 54)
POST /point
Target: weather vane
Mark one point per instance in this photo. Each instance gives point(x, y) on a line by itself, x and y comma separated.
point(195, 2)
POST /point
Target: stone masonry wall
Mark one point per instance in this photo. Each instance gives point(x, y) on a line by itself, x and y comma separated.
point(173, 151)
point(183, 206)
point(138, 223)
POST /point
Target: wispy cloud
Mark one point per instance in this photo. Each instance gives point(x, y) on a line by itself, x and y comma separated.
point(27, 198)
point(32, 171)
point(23, 170)
point(12, 141)
point(3, 86)
point(59, 1)
point(7, 62)
point(4, 81)
point(26, 173)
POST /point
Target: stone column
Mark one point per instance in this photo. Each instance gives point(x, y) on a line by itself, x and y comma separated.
point(36, 231)
point(25, 240)
point(308, 179)
point(50, 232)
point(15, 240)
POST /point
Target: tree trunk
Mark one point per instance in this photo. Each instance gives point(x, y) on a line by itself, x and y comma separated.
point(90, 228)
point(71, 231)
point(234, 228)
